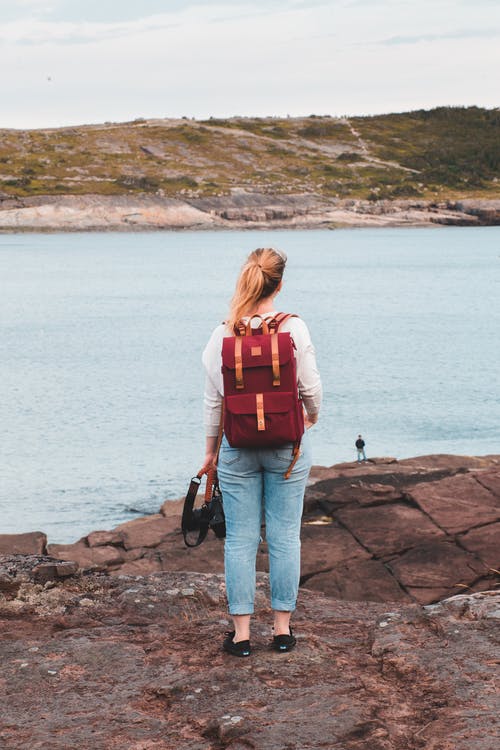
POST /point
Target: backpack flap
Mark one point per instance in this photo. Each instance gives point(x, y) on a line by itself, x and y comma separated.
point(267, 357)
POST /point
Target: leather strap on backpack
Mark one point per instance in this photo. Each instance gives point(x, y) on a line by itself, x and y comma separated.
point(212, 473)
point(238, 363)
point(279, 319)
point(295, 458)
point(275, 358)
point(276, 323)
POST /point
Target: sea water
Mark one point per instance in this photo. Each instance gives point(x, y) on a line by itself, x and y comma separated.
point(101, 337)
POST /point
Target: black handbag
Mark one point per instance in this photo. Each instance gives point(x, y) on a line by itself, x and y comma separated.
point(209, 516)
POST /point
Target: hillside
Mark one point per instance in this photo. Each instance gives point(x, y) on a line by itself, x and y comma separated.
point(414, 169)
point(437, 154)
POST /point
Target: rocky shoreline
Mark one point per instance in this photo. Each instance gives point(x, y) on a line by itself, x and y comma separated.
point(242, 209)
point(115, 641)
point(415, 530)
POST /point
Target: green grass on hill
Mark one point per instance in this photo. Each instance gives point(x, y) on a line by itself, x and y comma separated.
point(444, 152)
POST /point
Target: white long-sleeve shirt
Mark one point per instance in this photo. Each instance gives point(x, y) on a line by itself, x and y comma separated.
point(308, 378)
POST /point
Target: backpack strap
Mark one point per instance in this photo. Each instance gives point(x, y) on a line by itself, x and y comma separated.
point(275, 325)
point(268, 327)
point(264, 325)
point(245, 329)
point(275, 358)
point(279, 319)
point(295, 458)
point(238, 362)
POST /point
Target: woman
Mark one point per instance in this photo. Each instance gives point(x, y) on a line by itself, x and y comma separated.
point(252, 479)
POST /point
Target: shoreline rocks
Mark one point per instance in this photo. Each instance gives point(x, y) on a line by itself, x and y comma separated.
point(242, 209)
point(416, 530)
point(124, 650)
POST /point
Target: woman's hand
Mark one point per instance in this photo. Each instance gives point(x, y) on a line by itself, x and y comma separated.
point(208, 462)
point(309, 421)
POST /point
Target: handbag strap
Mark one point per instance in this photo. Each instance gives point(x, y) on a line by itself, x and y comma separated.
point(194, 486)
point(187, 512)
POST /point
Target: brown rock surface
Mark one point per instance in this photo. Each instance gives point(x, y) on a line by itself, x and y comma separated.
point(457, 503)
point(87, 557)
point(484, 542)
point(397, 513)
point(439, 462)
point(33, 543)
point(490, 480)
point(334, 493)
point(103, 663)
point(359, 580)
point(148, 531)
point(102, 538)
point(385, 530)
point(208, 558)
point(449, 461)
point(173, 507)
point(439, 566)
point(324, 546)
point(373, 532)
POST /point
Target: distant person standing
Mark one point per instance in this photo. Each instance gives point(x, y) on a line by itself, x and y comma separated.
point(360, 447)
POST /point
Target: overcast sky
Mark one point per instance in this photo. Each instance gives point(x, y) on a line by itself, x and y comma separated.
point(80, 61)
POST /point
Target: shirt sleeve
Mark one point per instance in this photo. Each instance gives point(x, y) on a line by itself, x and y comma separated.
point(308, 377)
point(214, 389)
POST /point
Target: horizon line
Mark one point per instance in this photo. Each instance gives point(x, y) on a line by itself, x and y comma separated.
point(142, 119)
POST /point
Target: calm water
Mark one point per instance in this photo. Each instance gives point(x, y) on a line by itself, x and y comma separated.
point(101, 336)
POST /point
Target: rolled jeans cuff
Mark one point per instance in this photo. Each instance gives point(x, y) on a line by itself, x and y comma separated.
point(241, 609)
point(281, 606)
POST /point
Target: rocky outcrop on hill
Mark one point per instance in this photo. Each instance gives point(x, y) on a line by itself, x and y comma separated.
point(415, 530)
point(101, 662)
point(242, 208)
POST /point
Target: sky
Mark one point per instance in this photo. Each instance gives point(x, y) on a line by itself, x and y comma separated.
point(67, 62)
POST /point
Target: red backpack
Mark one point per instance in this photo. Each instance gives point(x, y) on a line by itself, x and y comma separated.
point(262, 408)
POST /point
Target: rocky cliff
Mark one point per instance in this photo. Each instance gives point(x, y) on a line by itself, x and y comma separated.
point(241, 209)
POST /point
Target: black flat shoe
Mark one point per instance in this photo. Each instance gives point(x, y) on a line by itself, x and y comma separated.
point(284, 643)
point(241, 648)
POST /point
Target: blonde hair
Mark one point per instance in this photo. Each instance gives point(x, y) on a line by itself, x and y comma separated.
point(258, 279)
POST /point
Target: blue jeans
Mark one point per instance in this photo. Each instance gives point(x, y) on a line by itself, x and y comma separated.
point(361, 454)
point(253, 486)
